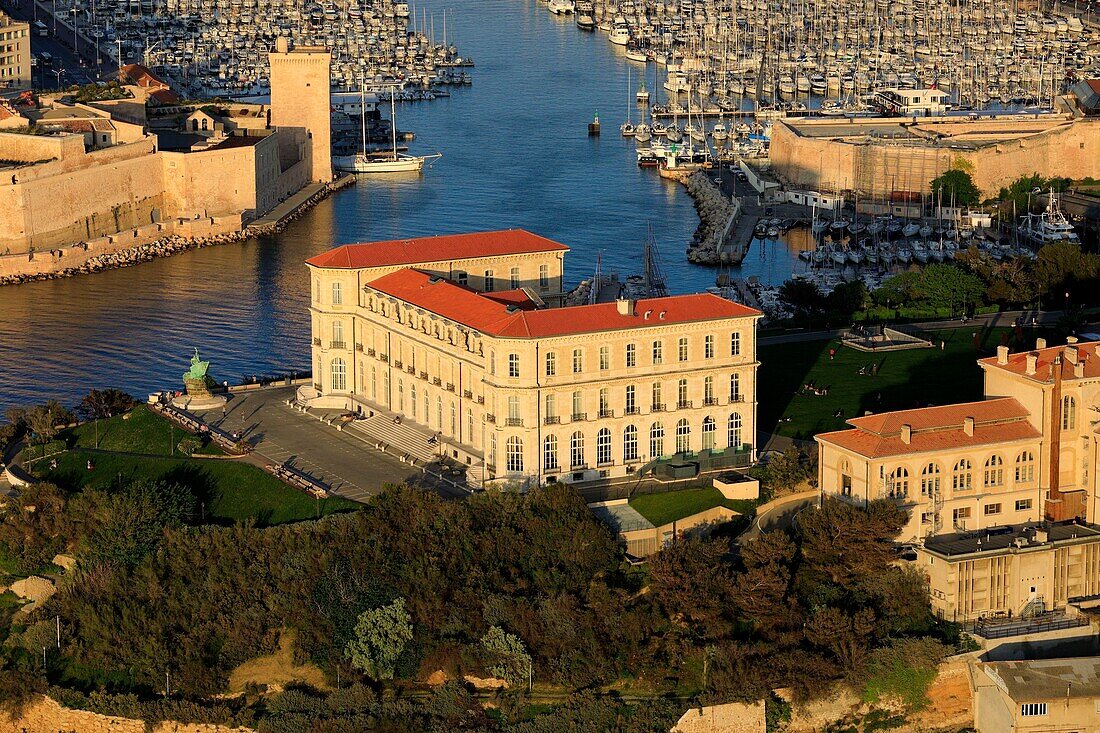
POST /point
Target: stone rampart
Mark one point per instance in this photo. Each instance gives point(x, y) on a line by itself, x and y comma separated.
point(48, 716)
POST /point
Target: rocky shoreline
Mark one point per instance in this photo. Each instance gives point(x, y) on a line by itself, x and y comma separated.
point(172, 245)
point(715, 212)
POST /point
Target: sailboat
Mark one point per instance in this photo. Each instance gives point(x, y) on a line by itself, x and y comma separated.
point(381, 162)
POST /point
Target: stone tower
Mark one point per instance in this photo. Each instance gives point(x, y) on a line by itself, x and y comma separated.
point(300, 101)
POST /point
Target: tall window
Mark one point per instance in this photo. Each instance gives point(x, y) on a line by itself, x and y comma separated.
point(630, 443)
point(603, 447)
point(658, 352)
point(930, 480)
point(578, 405)
point(708, 390)
point(513, 365)
point(551, 408)
point(631, 407)
point(550, 453)
point(605, 358)
point(492, 362)
point(708, 433)
point(513, 278)
point(578, 361)
point(735, 343)
point(605, 402)
point(544, 277)
point(490, 281)
point(513, 409)
point(454, 420)
point(493, 449)
point(576, 449)
point(412, 400)
point(1069, 413)
point(551, 363)
point(514, 454)
point(897, 484)
point(735, 430)
point(656, 440)
point(400, 396)
point(373, 383)
point(682, 393)
point(1025, 467)
point(337, 293)
point(961, 477)
point(337, 335)
point(735, 388)
point(657, 405)
point(682, 349)
point(708, 346)
point(683, 437)
point(439, 412)
point(994, 473)
point(631, 355)
point(339, 373)
point(470, 429)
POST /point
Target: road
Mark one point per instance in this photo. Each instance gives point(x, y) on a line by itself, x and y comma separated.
point(59, 44)
point(778, 514)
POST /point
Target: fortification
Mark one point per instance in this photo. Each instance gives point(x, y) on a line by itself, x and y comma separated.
point(300, 81)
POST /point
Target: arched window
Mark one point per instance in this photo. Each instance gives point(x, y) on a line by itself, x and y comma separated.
point(630, 443)
point(994, 473)
point(734, 426)
point(930, 480)
point(961, 477)
point(735, 388)
point(844, 470)
point(550, 453)
point(337, 293)
point(708, 433)
point(1069, 413)
point(897, 484)
point(1025, 467)
point(576, 449)
point(603, 447)
point(427, 408)
point(339, 372)
point(493, 449)
point(656, 440)
point(337, 335)
point(514, 448)
point(683, 437)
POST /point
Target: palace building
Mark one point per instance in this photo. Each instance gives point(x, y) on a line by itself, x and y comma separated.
point(1027, 452)
point(456, 337)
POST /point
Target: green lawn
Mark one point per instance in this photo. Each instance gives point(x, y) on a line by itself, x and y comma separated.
point(228, 491)
point(905, 379)
point(673, 505)
point(139, 431)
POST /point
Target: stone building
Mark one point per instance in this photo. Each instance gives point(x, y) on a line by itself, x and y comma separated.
point(15, 52)
point(894, 160)
point(1037, 695)
point(300, 81)
point(453, 336)
point(1027, 452)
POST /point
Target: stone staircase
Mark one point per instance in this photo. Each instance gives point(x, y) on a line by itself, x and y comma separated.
point(404, 441)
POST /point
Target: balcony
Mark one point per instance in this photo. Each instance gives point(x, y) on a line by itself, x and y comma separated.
point(580, 416)
point(481, 399)
point(631, 410)
point(337, 345)
point(467, 394)
point(554, 420)
point(423, 375)
point(513, 422)
point(410, 369)
point(437, 381)
point(491, 418)
point(606, 413)
point(684, 405)
point(397, 364)
point(316, 342)
point(710, 401)
point(737, 397)
point(450, 386)
point(370, 352)
point(657, 407)
point(384, 357)
point(359, 348)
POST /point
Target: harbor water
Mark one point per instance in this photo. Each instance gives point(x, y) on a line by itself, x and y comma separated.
point(515, 154)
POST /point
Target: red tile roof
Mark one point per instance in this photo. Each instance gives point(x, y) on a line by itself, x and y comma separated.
point(1088, 353)
point(165, 97)
point(141, 76)
point(434, 249)
point(935, 428)
point(484, 313)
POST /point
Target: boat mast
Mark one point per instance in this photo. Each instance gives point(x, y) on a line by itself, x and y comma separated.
point(393, 122)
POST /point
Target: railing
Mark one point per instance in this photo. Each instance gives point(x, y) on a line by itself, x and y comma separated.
point(657, 407)
point(397, 364)
point(370, 352)
point(555, 420)
point(316, 342)
point(437, 381)
point(631, 411)
point(359, 348)
point(491, 418)
point(513, 422)
point(579, 416)
point(578, 466)
point(423, 375)
point(384, 357)
point(607, 413)
point(684, 405)
point(410, 369)
point(481, 399)
point(467, 394)
point(737, 397)
point(337, 345)
point(710, 401)
point(450, 386)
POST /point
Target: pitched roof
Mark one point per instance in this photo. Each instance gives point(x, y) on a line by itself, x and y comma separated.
point(1087, 352)
point(140, 75)
point(485, 313)
point(435, 249)
point(998, 420)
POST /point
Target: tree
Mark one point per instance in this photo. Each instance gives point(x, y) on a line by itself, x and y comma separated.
point(128, 525)
point(381, 635)
point(847, 636)
point(948, 286)
point(847, 543)
point(901, 289)
point(105, 403)
point(1061, 263)
point(691, 579)
point(508, 656)
point(957, 187)
point(847, 298)
point(43, 420)
point(783, 472)
point(801, 295)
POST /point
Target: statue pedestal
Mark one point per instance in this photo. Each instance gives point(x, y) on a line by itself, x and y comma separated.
point(200, 402)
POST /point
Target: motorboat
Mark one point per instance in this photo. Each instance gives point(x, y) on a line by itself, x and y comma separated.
point(586, 22)
point(719, 132)
point(561, 7)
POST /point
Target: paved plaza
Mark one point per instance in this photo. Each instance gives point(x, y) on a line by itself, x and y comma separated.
point(343, 462)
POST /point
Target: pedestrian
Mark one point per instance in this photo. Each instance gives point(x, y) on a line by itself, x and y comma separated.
point(832, 354)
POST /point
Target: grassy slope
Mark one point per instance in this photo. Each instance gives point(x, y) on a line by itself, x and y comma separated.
point(673, 505)
point(905, 379)
point(139, 431)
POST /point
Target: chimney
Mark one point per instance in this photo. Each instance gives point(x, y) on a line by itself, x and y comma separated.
point(1055, 508)
point(1072, 340)
point(1032, 362)
point(968, 426)
point(907, 433)
point(1040, 343)
point(1079, 370)
point(1041, 535)
point(1096, 349)
point(1071, 354)
point(625, 307)
point(1002, 355)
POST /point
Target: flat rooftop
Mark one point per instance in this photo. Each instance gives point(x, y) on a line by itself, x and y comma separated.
point(1015, 536)
point(952, 132)
point(1047, 679)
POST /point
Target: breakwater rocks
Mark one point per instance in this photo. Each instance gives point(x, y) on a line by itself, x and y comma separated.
point(716, 214)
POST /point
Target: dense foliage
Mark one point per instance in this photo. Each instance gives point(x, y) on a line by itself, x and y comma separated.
point(955, 188)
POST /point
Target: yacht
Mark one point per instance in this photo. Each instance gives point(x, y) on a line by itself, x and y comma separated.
point(586, 22)
point(1049, 226)
point(389, 161)
point(619, 34)
point(561, 7)
point(719, 132)
point(643, 95)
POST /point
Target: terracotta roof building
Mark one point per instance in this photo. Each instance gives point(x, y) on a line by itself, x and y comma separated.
point(455, 336)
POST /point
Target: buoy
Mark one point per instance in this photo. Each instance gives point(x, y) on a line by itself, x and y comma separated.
point(594, 126)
